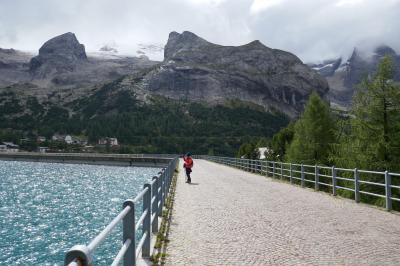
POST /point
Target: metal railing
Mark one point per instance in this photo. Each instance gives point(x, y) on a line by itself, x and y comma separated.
point(154, 195)
point(359, 182)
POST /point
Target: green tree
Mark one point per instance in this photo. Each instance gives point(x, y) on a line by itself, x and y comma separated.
point(248, 151)
point(280, 143)
point(374, 141)
point(314, 133)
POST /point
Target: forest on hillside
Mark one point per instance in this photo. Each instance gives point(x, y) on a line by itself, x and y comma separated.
point(160, 126)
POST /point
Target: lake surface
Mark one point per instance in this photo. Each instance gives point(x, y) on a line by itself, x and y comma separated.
point(46, 208)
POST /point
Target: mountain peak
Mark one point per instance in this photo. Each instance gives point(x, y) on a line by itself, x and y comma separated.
point(64, 45)
point(62, 52)
point(384, 50)
point(256, 43)
point(182, 41)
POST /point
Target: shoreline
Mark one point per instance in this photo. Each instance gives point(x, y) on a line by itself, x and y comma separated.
point(136, 160)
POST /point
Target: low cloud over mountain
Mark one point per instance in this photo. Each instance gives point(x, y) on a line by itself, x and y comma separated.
point(311, 29)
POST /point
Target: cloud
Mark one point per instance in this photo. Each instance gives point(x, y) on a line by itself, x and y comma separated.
point(261, 5)
point(348, 2)
point(312, 29)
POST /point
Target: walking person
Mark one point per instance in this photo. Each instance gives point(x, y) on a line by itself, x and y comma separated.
point(188, 164)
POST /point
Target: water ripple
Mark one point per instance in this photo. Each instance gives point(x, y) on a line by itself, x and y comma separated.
point(47, 208)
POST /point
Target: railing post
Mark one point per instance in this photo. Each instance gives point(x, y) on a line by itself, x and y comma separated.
point(273, 169)
point(281, 170)
point(263, 167)
point(128, 227)
point(388, 190)
point(160, 196)
point(79, 253)
point(356, 185)
point(334, 180)
point(168, 181)
point(302, 175)
point(316, 177)
point(266, 169)
point(162, 189)
point(154, 207)
point(291, 174)
point(147, 221)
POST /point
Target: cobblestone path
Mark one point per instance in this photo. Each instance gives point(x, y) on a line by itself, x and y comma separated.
point(230, 217)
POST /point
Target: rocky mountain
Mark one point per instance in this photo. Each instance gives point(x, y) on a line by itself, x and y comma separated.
point(13, 66)
point(62, 71)
point(193, 69)
point(197, 70)
point(344, 76)
point(62, 53)
point(218, 94)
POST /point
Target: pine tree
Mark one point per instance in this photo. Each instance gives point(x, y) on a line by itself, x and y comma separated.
point(314, 133)
point(374, 142)
point(280, 143)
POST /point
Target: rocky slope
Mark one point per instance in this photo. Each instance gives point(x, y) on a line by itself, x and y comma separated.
point(344, 75)
point(193, 69)
point(197, 70)
point(62, 68)
point(13, 66)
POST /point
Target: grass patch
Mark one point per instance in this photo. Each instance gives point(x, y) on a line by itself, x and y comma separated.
point(159, 256)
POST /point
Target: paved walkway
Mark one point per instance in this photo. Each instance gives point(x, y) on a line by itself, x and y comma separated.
point(230, 217)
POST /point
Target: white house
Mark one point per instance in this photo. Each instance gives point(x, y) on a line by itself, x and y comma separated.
point(262, 151)
point(10, 147)
point(43, 149)
point(108, 141)
point(79, 140)
point(68, 139)
point(113, 142)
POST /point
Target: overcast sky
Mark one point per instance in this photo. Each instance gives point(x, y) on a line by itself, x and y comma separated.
point(311, 29)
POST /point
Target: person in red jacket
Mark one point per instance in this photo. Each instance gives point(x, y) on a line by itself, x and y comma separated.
point(188, 164)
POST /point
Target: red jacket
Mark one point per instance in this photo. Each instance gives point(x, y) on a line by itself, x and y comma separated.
point(188, 162)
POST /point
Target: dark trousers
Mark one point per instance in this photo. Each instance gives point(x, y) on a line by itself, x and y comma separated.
point(188, 171)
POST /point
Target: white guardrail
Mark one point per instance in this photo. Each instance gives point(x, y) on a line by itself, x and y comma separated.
point(353, 180)
point(154, 195)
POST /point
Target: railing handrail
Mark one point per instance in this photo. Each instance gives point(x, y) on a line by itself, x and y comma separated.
point(107, 230)
point(148, 220)
point(289, 170)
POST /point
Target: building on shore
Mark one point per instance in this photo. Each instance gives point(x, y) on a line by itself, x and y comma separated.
point(43, 149)
point(70, 139)
point(41, 139)
point(108, 141)
point(9, 147)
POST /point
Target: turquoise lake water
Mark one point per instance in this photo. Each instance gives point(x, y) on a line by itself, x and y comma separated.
point(46, 208)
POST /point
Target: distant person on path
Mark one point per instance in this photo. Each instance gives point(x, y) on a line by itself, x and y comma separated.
point(188, 164)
